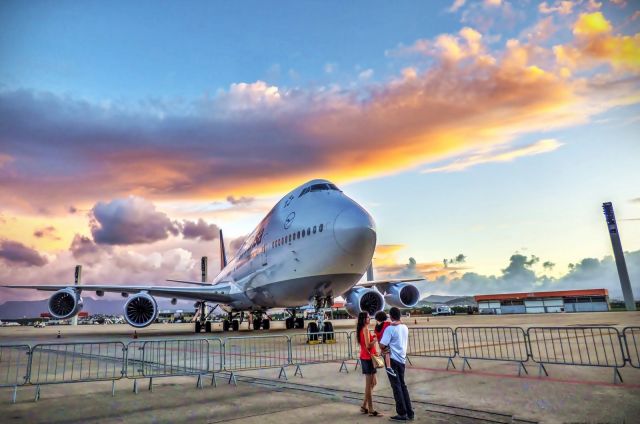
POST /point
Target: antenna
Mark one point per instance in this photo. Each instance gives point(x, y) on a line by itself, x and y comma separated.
point(618, 253)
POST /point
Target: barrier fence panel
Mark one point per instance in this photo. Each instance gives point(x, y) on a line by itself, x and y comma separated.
point(437, 342)
point(492, 343)
point(165, 358)
point(321, 347)
point(592, 346)
point(135, 359)
point(632, 341)
point(76, 362)
point(254, 352)
point(216, 354)
point(14, 365)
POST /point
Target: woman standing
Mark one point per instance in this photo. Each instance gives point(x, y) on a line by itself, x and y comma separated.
point(367, 347)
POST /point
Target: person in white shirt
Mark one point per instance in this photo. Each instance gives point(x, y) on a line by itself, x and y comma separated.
point(396, 338)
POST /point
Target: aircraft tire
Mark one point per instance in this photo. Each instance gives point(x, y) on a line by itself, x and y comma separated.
point(256, 324)
point(312, 333)
point(226, 325)
point(198, 326)
point(207, 327)
point(327, 332)
point(266, 324)
point(289, 323)
point(235, 325)
point(299, 323)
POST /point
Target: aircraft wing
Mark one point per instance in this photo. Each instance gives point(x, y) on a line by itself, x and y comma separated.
point(196, 293)
point(389, 281)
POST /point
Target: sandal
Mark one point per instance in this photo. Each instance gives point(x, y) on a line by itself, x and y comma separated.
point(364, 410)
point(375, 414)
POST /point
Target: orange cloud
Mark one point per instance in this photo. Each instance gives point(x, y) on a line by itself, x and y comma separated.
point(500, 155)
point(259, 139)
point(595, 42)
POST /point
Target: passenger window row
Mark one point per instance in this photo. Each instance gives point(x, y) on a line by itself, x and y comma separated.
point(297, 235)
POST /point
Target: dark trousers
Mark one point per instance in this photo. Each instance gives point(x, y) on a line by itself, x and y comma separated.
point(400, 392)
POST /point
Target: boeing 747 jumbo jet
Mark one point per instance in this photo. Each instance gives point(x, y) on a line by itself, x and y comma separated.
point(315, 244)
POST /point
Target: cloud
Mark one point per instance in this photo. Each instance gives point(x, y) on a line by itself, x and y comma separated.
point(519, 276)
point(82, 247)
point(595, 43)
point(498, 155)
point(563, 7)
point(462, 94)
point(366, 74)
point(13, 252)
point(131, 220)
point(46, 232)
point(457, 4)
point(200, 230)
point(243, 200)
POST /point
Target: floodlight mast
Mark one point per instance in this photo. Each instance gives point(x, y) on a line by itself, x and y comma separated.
point(618, 254)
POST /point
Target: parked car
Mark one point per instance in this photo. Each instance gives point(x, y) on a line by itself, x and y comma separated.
point(443, 310)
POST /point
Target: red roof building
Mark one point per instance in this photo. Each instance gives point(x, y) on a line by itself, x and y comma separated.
point(589, 300)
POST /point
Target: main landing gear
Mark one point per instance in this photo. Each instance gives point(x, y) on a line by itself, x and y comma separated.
point(231, 323)
point(203, 318)
point(294, 321)
point(259, 322)
point(321, 331)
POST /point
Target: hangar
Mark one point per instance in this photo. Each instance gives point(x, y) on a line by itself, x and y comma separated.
point(591, 300)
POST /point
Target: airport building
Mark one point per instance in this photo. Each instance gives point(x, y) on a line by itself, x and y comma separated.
point(592, 300)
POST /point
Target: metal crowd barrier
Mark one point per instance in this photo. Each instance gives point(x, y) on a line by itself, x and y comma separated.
point(171, 358)
point(319, 348)
point(631, 337)
point(58, 363)
point(433, 342)
point(507, 344)
point(14, 367)
point(590, 346)
point(255, 352)
point(134, 361)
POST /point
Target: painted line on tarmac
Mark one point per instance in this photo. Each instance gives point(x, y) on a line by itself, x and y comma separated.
point(549, 379)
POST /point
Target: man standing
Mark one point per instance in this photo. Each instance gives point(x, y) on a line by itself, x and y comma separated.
point(396, 338)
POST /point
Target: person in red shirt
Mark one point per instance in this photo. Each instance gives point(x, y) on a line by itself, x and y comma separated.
point(367, 344)
point(381, 325)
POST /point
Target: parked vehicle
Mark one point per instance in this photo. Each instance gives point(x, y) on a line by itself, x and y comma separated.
point(443, 310)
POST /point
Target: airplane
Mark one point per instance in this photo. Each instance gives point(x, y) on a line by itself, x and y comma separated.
point(315, 244)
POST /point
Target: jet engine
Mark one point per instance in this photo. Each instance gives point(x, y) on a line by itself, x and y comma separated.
point(402, 295)
point(361, 299)
point(65, 303)
point(140, 310)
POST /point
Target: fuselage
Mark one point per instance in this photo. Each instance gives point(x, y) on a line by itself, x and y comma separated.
point(316, 241)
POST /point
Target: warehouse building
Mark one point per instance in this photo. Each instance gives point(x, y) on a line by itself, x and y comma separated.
point(592, 300)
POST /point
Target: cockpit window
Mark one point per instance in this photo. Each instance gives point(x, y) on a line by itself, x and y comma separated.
point(319, 187)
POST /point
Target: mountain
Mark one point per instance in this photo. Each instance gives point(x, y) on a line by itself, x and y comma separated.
point(434, 300)
point(14, 309)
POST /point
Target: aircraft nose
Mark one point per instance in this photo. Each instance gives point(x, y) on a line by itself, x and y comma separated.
point(354, 230)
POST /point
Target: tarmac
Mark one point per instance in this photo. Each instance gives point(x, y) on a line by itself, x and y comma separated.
point(491, 391)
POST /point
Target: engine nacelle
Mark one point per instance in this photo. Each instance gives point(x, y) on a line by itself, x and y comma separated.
point(140, 310)
point(361, 299)
point(65, 303)
point(402, 295)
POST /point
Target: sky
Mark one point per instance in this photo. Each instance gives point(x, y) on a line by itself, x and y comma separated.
point(483, 136)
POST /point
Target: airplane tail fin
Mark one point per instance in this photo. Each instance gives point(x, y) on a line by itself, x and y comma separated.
point(370, 272)
point(204, 269)
point(223, 253)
